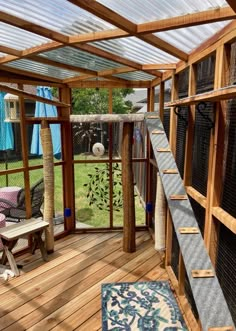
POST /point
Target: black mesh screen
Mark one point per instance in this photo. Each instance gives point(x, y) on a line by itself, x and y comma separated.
point(199, 213)
point(229, 187)
point(232, 75)
point(205, 75)
point(181, 138)
point(166, 122)
point(201, 143)
point(226, 267)
point(183, 83)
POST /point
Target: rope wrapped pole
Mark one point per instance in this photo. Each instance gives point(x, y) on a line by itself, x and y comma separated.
point(160, 216)
point(48, 173)
point(128, 189)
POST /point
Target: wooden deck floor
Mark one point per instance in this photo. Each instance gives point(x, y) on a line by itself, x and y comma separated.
point(64, 293)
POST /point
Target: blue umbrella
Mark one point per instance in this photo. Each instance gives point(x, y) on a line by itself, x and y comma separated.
point(6, 132)
point(44, 110)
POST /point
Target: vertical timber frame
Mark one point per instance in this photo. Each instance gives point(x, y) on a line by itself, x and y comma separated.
point(190, 130)
point(215, 167)
point(25, 154)
point(67, 154)
point(150, 108)
point(110, 133)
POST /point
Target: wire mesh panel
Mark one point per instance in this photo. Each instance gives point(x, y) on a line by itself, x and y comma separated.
point(202, 132)
point(229, 188)
point(199, 213)
point(226, 267)
point(166, 122)
point(205, 75)
point(181, 138)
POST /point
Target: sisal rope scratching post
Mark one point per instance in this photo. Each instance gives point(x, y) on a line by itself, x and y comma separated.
point(48, 173)
point(160, 216)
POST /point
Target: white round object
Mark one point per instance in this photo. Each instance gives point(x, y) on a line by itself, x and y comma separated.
point(98, 149)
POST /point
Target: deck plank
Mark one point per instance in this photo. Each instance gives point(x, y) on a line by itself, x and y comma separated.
point(65, 293)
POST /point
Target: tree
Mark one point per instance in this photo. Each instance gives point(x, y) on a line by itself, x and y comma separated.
point(96, 101)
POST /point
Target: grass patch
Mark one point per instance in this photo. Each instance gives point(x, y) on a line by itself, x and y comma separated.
point(86, 213)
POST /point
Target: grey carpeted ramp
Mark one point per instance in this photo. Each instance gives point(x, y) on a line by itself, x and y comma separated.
point(211, 305)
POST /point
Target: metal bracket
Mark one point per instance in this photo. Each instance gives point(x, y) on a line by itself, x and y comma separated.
point(153, 116)
point(163, 150)
point(200, 108)
point(221, 328)
point(177, 111)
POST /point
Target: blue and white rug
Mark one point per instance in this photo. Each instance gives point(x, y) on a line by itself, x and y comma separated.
point(141, 306)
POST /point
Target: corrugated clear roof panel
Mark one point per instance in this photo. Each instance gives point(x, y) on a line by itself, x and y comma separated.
point(80, 58)
point(3, 54)
point(136, 50)
point(135, 75)
point(58, 15)
point(42, 69)
point(19, 39)
point(140, 11)
point(187, 39)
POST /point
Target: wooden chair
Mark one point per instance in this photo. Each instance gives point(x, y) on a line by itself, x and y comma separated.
point(17, 212)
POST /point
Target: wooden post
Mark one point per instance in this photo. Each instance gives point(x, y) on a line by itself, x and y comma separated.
point(150, 108)
point(161, 100)
point(110, 151)
point(23, 131)
point(169, 234)
point(190, 129)
point(128, 189)
point(48, 174)
point(173, 117)
point(181, 275)
point(215, 165)
point(67, 154)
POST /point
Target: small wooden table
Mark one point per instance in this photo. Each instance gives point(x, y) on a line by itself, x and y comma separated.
point(12, 233)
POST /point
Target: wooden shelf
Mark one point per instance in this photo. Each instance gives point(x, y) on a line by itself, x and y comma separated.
point(224, 93)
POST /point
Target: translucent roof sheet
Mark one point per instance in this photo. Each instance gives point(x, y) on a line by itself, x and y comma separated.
point(135, 49)
point(140, 11)
point(57, 15)
point(19, 39)
point(42, 69)
point(80, 58)
point(189, 38)
point(135, 75)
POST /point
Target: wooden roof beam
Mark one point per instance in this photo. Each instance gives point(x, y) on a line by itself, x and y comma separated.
point(9, 50)
point(27, 95)
point(44, 60)
point(232, 4)
point(32, 27)
point(159, 66)
point(113, 57)
point(112, 17)
point(204, 17)
point(24, 73)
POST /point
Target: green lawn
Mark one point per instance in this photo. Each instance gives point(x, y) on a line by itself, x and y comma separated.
point(87, 213)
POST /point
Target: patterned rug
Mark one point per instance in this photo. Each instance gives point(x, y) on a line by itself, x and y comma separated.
point(141, 306)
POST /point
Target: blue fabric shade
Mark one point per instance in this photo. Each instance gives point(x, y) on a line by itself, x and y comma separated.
point(44, 110)
point(6, 132)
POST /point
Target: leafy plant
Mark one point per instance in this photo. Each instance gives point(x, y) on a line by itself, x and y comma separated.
point(98, 192)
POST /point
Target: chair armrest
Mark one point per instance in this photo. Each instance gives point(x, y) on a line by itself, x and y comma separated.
point(8, 203)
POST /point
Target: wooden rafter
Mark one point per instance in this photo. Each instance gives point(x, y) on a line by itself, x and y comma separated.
point(116, 58)
point(30, 74)
point(98, 35)
point(9, 50)
point(44, 60)
point(112, 17)
point(32, 27)
point(232, 4)
point(204, 17)
point(31, 96)
point(161, 66)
